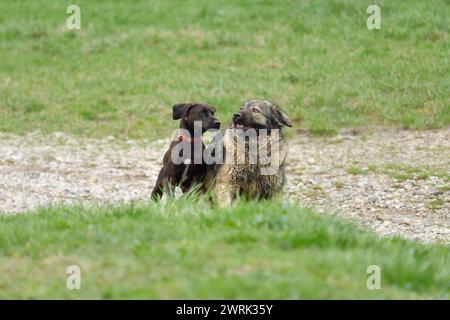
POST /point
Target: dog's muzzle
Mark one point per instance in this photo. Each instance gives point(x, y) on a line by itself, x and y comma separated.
point(215, 125)
point(237, 117)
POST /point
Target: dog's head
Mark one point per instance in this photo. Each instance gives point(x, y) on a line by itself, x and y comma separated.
point(192, 112)
point(260, 114)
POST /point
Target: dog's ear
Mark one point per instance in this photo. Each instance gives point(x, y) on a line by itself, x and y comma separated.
point(213, 109)
point(180, 110)
point(280, 116)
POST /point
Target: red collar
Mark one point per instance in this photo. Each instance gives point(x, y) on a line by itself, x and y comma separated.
point(182, 137)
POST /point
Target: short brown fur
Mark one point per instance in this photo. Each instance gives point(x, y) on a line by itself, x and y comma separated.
point(187, 174)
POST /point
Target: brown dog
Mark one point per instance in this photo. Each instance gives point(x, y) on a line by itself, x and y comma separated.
point(191, 170)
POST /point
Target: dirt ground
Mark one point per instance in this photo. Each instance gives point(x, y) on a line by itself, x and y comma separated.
point(394, 182)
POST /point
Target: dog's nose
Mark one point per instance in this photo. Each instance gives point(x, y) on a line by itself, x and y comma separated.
point(216, 124)
point(237, 116)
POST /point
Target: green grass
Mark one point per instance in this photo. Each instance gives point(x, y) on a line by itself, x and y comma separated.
point(436, 204)
point(132, 60)
point(188, 249)
point(356, 170)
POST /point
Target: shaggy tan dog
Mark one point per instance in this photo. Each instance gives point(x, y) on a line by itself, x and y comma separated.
point(254, 153)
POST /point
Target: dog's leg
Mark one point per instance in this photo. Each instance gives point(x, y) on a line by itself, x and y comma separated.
point(159, 186)
point(226, 194)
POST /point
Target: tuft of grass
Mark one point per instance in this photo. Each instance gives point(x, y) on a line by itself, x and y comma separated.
point(402, 172)
point(131, 61)
point(339, 184)
point(189, 249)
point(356, 170)
point(436, 204)
point(444, 188)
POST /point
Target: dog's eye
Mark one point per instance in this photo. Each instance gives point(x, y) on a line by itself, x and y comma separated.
point(255, 110)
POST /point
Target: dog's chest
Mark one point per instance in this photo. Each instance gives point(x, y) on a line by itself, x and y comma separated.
point(251, 176)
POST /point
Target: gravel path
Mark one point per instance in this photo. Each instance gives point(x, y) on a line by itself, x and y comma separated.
point(391, 181)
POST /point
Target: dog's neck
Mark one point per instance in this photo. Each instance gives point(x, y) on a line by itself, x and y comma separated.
point(193, 135)
point(187, 135)
point(182, 137)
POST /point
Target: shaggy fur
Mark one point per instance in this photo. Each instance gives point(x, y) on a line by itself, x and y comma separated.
point(227, 181)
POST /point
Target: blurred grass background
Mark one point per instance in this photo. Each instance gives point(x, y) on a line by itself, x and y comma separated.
point(132, 60)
